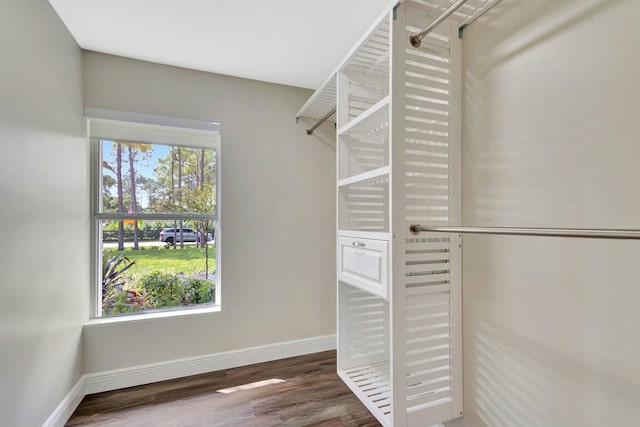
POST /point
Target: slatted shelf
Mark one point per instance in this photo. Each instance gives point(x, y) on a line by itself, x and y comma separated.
point(373, 120)
point(372, 177)
point(371, 383)
point(371, 57)
point(363, 234)
point(322, 101)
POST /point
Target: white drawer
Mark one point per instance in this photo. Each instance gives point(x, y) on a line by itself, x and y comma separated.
point(364, 263)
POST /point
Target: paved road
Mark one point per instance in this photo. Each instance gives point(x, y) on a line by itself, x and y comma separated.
point(145, 244)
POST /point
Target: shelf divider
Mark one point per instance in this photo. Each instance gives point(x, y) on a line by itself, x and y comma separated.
point(365, 176)
point(362, 117)
point(357, 234)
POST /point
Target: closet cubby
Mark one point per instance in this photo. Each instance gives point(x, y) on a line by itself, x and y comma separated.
point(365, 349)
point(363, 81)
point(363, 203)
point(363, 144)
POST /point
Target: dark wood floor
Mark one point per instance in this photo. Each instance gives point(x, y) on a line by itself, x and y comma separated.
point(304, 391)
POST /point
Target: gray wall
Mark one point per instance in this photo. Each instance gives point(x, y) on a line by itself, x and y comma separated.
point(551, 140)
point(44, 204)
point(277, 255)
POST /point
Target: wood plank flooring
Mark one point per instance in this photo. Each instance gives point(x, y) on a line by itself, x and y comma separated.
point(300, 391)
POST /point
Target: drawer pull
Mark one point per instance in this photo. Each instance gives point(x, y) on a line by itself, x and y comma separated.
point(358, 244)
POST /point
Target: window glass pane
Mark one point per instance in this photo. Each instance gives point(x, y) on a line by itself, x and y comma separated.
point(166, 271)
point(153, 178)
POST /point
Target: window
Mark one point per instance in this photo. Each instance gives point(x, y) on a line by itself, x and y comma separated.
point(155, 213)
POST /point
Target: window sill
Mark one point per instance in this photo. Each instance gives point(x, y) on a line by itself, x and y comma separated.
point(153, 315)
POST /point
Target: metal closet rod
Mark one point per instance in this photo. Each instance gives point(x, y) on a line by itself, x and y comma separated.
point(472, 20)
point(321, 121)
point(416, 39)
point(586, 233)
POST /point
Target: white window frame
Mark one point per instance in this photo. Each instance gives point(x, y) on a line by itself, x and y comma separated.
point(114, 125)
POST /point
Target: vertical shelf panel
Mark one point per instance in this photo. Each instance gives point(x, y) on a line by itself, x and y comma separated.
point(431, 141)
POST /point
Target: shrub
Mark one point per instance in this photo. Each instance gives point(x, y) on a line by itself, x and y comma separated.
point(123, 301)
point(197, 291)
point(162, 289)
point(113, 269)
point(117, 296)
point(158, 290)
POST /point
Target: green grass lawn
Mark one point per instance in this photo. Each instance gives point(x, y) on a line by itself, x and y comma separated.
point(188, 260)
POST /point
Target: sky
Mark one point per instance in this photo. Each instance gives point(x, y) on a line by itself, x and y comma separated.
point(144, 167)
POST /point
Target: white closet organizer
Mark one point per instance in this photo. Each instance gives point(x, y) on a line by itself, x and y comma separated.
point(398, 150)
point(399, 163)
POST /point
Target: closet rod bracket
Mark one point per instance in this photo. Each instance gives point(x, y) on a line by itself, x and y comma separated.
point(461, 30)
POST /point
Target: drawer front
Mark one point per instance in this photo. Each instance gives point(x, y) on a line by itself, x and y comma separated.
point(364, 263)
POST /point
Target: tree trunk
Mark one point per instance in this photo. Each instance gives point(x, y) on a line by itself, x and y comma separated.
point(132, 175)
point(201, 183)
point(173, 195)
point(206, 258)
point(202, 167)
point(180, 194)
point(120, 199)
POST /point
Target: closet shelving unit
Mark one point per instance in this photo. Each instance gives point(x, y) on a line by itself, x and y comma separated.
point(398, 164)
point(399, 329)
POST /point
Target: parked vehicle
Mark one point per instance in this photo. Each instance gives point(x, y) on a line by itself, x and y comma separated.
point(171, 235)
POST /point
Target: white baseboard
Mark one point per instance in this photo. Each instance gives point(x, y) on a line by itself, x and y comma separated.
point(61, 414)
point(144, 374)
point(177, 368)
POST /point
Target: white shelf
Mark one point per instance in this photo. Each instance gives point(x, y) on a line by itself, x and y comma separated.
point(370, 55)
point(370, 118)
point(375, 235)
point(366, 177)
point(322, 101)
point(372, 385)
point(369, 291)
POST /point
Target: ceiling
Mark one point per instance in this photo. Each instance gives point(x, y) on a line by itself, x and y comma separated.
point(291, 42)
